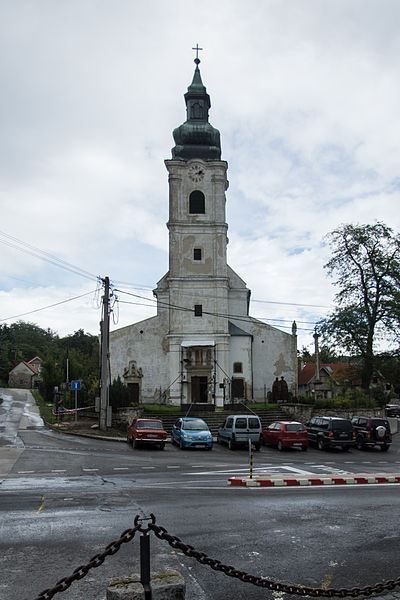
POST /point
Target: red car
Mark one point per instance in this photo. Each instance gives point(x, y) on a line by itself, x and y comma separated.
point(285, 434)
point(147, 432)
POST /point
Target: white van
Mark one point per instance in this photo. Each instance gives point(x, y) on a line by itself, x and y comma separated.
point(238, 430)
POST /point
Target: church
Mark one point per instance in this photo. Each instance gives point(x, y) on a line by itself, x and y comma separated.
point(202, 347)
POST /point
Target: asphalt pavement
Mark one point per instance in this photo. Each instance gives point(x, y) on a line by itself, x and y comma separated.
point(64, 498)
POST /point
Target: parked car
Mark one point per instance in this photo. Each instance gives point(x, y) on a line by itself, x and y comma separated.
point(286, 434)
point(372, 431)
point(237, 430)
point(392, 410)
point(331, 432)
point(149, 432)
point(191, 432)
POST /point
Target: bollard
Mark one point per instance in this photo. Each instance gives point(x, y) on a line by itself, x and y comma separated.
point(251, 458)
point(145, 565)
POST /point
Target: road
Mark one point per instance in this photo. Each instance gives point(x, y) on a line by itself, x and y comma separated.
point(64, 498)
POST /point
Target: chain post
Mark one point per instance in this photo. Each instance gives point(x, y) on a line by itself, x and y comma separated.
point(144, 542)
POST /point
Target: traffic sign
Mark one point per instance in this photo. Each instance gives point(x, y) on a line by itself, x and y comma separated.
point(76, 385)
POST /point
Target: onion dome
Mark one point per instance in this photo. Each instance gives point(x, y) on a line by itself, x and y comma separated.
point(196, 137)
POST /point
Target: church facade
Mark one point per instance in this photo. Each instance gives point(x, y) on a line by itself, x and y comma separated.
point(202, 347)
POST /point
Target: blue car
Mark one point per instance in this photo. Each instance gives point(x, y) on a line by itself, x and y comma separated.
point(190, 432)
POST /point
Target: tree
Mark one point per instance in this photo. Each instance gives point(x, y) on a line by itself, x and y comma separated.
point(365, 262)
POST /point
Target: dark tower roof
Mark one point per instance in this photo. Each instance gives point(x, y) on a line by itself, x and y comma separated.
point(196, 138)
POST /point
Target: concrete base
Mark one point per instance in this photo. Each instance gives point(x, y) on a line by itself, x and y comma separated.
point(165, 585)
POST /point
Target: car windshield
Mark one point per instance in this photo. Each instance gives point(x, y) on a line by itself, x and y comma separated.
point(196, 425)
point(254, 423)
point(342, 425)
point(294, 427)
point(149, 425)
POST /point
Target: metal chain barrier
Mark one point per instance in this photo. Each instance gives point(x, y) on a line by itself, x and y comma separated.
point(94, 562)
point(264, 582)
point(215, 564)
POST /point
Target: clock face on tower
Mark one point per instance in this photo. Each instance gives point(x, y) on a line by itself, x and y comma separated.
point(196, 172)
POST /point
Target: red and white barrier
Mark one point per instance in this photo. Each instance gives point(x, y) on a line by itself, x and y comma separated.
point(301, 480)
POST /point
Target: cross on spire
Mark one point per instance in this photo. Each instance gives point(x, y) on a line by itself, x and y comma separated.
point(197, 60)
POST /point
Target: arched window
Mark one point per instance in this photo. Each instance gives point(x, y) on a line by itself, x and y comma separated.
point(197, 203)
point(196, 111)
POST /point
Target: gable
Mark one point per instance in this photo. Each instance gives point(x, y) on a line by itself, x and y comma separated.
point(23, 368)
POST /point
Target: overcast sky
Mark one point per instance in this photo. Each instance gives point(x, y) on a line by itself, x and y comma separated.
point(305, 93)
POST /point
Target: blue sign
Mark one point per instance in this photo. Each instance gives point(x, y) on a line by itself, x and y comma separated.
point(75, 385)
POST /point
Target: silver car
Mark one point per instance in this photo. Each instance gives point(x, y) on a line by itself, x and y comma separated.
point(238, 430)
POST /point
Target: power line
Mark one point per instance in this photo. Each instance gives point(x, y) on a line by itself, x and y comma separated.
point(13, 242)
point(184, 293)
point(233, 317)
point(46, 307)
point(246, 319)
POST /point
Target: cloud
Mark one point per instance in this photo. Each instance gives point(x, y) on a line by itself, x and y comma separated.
point(305, 96)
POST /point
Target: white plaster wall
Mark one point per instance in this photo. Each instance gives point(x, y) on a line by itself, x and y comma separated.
point(240, 351)
point(150, 351)
point(273, 357)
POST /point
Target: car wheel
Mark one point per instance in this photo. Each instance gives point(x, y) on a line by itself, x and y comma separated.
point(360, 442)
point(321, 444)
point(385, 447)
point(136, 444)
point(257, 446)
point(209, 447)
point(180, 444)
point(345, 448)
point(231, 445)
point(162, 446)
point(129, 440)
point(304, 448)
point(280, 445)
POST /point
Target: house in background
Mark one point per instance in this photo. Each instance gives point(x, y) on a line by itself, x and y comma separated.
point(25, 375)
point(331, 379)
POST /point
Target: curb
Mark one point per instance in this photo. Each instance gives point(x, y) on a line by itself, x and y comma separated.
point(284, 480)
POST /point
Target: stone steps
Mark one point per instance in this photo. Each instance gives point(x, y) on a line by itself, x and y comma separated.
point(215, 419)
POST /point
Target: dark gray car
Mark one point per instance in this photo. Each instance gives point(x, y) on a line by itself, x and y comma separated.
point(331, 432)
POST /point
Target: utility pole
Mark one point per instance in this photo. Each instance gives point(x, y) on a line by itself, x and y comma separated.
point(105, 335)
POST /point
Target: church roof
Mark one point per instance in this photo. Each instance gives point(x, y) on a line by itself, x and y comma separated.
point(196, 137)
point(235, 330)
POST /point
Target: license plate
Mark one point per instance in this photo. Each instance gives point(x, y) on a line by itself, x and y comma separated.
point(152, 435)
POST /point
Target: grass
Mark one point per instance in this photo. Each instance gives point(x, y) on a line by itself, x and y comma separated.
point(46, 408)
point(164, 409)
point(160, 408)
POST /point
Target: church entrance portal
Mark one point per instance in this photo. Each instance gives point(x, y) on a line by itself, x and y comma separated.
point(237, 388)
point(199, 389)
point(133, 390)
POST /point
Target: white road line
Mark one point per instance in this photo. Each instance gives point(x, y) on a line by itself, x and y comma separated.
point(257, 470)
point(173, 467)
point(24, 472)
point(89, 470)
point(148, 467)
point(58, 471)
point(120, 468)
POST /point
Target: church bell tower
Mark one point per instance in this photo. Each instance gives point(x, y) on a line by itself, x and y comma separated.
point(196, 287)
